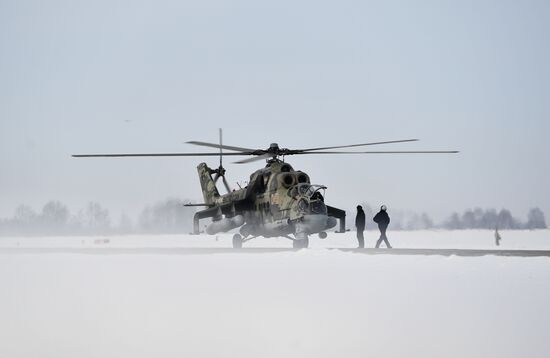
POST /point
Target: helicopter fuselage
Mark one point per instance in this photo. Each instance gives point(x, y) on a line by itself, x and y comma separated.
point(278, 201)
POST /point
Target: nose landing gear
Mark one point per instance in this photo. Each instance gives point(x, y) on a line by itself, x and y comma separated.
point(237, 241)
point(302, 243)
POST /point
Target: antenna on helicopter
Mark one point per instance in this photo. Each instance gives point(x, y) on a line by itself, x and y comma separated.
point(220, 172)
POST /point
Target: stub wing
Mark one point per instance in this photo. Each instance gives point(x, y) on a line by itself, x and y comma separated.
point(224, 211)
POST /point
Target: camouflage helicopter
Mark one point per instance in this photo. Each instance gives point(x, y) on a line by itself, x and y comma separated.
point(278, 201)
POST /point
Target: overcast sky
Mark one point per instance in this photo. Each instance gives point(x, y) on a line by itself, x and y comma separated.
point(134, 76)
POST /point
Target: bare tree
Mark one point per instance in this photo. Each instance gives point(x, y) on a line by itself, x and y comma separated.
point(535, 219)
point(54, 217)
point(95, 218)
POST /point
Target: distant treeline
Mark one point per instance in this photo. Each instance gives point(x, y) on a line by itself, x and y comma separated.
point(490, 219)
point(167, 216)
point(170, 216)
point(471, 219)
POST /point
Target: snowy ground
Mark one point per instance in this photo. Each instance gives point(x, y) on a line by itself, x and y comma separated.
point(308, 303)
point(467, 239)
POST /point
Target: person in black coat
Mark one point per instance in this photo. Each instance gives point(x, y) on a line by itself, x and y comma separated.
point(497, 237)
point(383, 220)
point(360, 225)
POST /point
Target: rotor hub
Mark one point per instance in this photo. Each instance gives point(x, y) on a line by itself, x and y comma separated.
point(220, 171)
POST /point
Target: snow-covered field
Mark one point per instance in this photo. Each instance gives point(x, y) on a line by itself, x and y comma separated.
point(467, 239)
point(307, 303)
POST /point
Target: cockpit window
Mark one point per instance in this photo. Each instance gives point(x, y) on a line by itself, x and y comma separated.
point(302, 205)
point(311, 192)
point(318, 207)
point(303, 189)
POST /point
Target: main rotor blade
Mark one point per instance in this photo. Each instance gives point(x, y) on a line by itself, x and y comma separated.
point(156, 155)
point(221, 148)
point(228, 147)
point(226, 184)
point(355, 145)
point(253, 159)
point(389, 152)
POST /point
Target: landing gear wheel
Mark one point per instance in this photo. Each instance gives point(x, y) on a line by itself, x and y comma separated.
point(237, 241)
point(300, 244)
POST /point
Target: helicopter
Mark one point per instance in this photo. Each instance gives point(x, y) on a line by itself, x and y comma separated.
point(279, 201)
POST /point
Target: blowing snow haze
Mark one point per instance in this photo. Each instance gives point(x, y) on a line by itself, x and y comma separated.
point(127, 76)
point(95, 255)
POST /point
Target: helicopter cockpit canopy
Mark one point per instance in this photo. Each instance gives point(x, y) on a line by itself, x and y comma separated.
point(309, 198)
point(311, 192)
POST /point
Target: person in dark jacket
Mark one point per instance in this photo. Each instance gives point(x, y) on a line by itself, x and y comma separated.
point(383, 220)
point(360, 225)
point(497, 237)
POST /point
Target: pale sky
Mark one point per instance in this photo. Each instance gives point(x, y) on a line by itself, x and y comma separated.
point(136, 76)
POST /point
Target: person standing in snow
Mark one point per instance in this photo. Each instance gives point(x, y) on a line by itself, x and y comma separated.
point(497, 237)
point(360, 226)
point(383, 220)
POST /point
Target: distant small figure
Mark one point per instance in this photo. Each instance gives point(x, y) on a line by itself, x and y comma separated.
point(497, 237)
point(360, 225)
point(383, 220)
